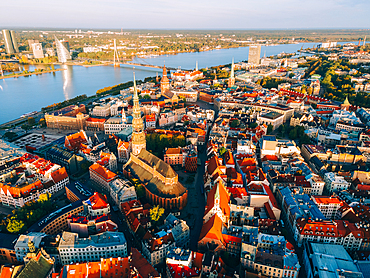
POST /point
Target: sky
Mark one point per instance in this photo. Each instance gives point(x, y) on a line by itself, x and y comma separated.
point(190, 14)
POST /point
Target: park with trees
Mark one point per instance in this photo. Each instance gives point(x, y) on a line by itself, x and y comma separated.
point(157, 143)
point(23, 218)
point(338, 86)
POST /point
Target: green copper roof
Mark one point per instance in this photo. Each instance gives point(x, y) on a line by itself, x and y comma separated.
point(37, 267)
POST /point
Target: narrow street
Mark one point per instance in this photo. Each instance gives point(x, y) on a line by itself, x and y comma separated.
point(199, 191)
point(199, 210)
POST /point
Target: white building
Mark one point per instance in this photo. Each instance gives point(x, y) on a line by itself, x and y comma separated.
point(156, 248)
point(101, 110)
point(114, 108)
point(29, 189)
point(328, 206)
point(38, 53)
point(123, 151)
point(21, 246)
point(73, 249)
point(269, 257)
point(180, 230)
point(150, 121)
point(335, 183)
point(245, 146)
point(122, 191)
point(317, 184)
point(189, 95)
point(114, 125)
point(97, 205)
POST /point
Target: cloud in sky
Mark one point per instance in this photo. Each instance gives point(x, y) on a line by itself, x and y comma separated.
point(190, 14)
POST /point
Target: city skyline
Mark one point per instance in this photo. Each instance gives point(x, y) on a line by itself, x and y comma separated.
point(164, 14)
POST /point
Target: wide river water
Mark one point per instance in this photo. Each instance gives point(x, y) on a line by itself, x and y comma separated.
point(25, 94)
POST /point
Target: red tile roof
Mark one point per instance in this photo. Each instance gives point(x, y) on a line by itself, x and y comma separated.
point(197, 259)
point(179, 271)
point(157, 243)
point(327, 200)
point(102, 172)
point(112, 267)
point(234, 176)
point(98, 201)
point(96, 120)
point(59, 175)
point(150, 118)
point(219, 191)
point(271, 196)
point(174, 151)
point(229, 159)
point(237, 192)
point(74, 141)
point(144, 268)
point(213, 229)
point(22, 191)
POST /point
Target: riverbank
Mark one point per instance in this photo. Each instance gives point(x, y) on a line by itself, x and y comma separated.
point(22, 95)
point(28, 74)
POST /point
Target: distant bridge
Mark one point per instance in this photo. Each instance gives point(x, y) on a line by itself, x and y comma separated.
point(151, 66)
point(9, 61)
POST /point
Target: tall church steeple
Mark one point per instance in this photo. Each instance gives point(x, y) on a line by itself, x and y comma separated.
point(231, 81)
point(165, 83)
point(138, 141)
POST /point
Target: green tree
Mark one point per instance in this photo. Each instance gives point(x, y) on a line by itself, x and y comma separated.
point(235, 123)
point(282, 129)
point(15, 226)
point(222, 151)
point(156, 213)
point(140, 191)
point(270, 128)
point(44, 197)
point(10, 135)
point(293, 133)
point(305, 139)
point(24, 59)
point(253, 125)
point(146, 97)
point(31, 121)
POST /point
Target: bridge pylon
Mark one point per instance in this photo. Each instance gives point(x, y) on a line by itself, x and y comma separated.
point(116, 62)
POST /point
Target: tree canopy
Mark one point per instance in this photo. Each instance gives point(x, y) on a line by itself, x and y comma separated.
point(156, 213)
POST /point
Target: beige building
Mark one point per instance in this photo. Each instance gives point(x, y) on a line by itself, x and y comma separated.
point(77, 122)
point(271, 118)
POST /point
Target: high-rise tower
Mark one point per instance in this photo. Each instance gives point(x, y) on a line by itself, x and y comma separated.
point(138, 141)
point(11, 45)
point(254, 54)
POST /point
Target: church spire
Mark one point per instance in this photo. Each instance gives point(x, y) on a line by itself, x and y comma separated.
point(231, 81)
point(165, 83)
point(136, 109)
point(138, 136)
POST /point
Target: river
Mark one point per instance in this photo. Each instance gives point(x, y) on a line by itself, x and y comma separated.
point(25, 94)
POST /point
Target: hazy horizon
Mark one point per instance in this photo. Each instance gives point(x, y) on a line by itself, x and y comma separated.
point(192, 15)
